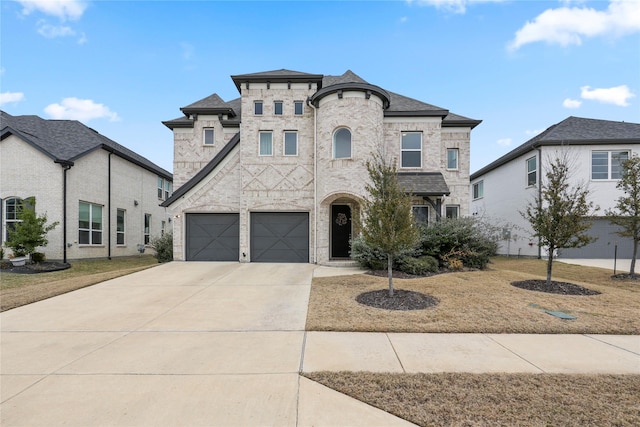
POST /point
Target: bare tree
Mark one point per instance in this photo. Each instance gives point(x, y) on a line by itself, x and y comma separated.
point(559, 214)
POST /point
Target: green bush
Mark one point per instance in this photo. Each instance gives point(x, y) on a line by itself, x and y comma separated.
point(37, 257)
point(163, 246)
point(366, 256)
point(419, 266)
point(472, 241)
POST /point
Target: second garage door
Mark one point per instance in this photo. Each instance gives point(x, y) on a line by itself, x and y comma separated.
point(279, 237)
point(213, 237)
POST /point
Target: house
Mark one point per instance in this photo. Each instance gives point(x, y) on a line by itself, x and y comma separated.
point(594, 148)
point(279, 173)
point(105, 197)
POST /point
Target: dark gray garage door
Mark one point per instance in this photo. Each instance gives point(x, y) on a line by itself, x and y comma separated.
point(605, 246)
point(279, 237)
point(213, 237)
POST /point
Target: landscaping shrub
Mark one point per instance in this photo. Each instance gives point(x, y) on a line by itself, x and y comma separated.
point(163, 246)
point(467, 240)
point(418, 266)
point(37, 257)
point(366, 256)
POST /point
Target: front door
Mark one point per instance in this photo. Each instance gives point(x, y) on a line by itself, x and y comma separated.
point(340, 231)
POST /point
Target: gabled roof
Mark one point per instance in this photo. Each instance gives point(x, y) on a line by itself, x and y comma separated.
point(423, 183)
point(212, 104)
point(572, 131)
point(277, 76)
point(202, 174)
point(68, 140)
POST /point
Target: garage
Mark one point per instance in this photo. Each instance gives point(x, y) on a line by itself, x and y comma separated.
point(213, 237)
point(280, 237)
point(605, 245)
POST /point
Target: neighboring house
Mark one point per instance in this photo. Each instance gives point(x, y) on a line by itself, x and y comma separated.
point(278, 174)
point(595, 149)
point(105, 197)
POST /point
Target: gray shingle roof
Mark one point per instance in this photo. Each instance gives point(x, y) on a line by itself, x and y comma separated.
point(68, 140)
point(572, 131)
point(276, 76)
point(423, 183)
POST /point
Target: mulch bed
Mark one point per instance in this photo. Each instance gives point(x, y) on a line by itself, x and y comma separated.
point(626, 276)
point(562, 288)
point(41, 267)
point(401, 300)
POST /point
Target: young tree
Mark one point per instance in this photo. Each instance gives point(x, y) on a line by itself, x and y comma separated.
point(558, 215)
point(30, 232)
point(388, 222)
point(626, 213)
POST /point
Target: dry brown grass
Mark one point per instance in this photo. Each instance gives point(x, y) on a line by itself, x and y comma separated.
point(454, 399)
point(482, 302)
point(21, 289)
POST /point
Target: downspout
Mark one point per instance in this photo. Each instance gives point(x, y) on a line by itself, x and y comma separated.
point(315, 181)
point(66, 165)
point(539, 194)
point(109, 207)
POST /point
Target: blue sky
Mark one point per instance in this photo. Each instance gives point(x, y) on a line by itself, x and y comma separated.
point(122, 67)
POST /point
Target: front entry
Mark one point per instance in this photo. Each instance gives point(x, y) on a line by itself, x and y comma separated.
point(340, 231)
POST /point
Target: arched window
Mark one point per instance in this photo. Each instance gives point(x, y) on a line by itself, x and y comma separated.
point(12, 209)
point(342, 144)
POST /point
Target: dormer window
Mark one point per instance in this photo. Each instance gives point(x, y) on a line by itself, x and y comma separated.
point(208, 136)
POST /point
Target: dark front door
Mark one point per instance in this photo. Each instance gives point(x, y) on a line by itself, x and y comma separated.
point(340, 231)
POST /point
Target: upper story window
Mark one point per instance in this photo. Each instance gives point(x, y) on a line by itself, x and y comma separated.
point(298, 108)
point(277, 108)
point(89, 224)
point(12, 209)
point(266, 144)
point(607, 164)
point(411, 150)
point(452, 158)
point(478, 190)
point(532, 171)
point(290, 143)
point(165, 188)
point(120, 221)
point(342, 144)
point(257, 108)
point(208, 136)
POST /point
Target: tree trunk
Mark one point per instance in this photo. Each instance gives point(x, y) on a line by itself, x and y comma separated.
point(390, 273)
point(632, 270)
point(549, 265)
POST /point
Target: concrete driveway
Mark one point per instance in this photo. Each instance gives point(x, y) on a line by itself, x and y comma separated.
point(184, 344)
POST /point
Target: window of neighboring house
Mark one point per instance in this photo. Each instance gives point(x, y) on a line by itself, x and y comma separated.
point(478, 190)
point(257, 108)
point(452, 211)
point(266, 143)
point(168, 189)
point(147, 228)
point(12, 209)
point(452, 158)
point(160, 187)
point(277, 108)
point(420, 214)
point(607, 164)
point(89, 224)
point(291, 143)
point(298, 108)
point(342, 144)
point(411, 150)
point(120, 220)
point(163, 226)
point(208, 136)
point(532, 171)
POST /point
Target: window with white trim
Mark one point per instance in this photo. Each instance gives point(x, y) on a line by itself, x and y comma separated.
point(163, 227)
point(452, 211)
point(266, 144)
point(298, 108)
point(532, 171)
point(420, 214)
point(342, 144)
point(411, 150)
point(290, 143)
point(208, 136)
point(478, 190)
point(147, 228)
point(168, 188)
point(452, 158)
point(277, 108)
point(120, 224)
point(89, 224)
point(257, 108)
point(12, 209)
point(160, 187)
point(607, 164)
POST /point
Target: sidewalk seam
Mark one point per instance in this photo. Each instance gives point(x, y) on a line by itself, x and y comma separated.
point(404, 371)
point(594, 337)
point(516, 354)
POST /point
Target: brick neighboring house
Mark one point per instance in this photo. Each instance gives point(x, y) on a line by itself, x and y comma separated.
point(105, 197)
point(278, 174)
point(595, 149)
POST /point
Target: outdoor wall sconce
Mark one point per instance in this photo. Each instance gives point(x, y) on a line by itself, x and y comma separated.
point(135, 203)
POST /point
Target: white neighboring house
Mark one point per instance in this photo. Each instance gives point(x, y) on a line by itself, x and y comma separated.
point(278, 174)
point(105, 197)
point(500, 190)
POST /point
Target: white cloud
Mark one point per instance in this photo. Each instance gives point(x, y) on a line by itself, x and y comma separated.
point(618, 95)
point(504, 142)
point(404, 19)
point(80, 109)
point(63, 9)
point(11, 97)
point(455, 6)
point(533, 132)
point(571, 103)
point(569, 25)
point(52, 31)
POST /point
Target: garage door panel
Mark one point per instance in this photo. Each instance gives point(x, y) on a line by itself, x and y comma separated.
point(280, 237)
point(213, 237)
point(605, 245)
